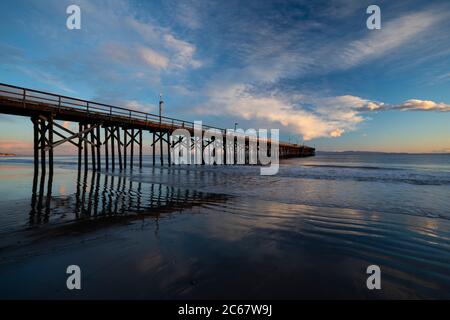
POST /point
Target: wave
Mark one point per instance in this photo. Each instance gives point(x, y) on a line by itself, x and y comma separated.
point(349, 167)
point(368, 174)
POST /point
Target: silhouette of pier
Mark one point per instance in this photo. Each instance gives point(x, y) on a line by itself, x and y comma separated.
point(112, 131)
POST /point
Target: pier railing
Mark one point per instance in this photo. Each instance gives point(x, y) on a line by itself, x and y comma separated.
point(61, 102)
point(25, 95)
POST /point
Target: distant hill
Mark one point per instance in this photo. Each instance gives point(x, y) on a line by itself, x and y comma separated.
point(381, 152)
point(7, 154)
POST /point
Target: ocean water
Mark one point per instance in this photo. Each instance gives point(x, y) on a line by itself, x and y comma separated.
point(209, 232)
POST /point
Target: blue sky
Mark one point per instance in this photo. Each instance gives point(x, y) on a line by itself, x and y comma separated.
point(310, 68)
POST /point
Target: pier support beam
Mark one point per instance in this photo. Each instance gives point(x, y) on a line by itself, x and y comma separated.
point(158, 137)
point(161, 155)
point(169, 149)
point(85, 126)
point(105, 143)
point(48, 127)
point(119, 144)
point(93, 162)
point(140, 148)
point(153, 148)
point(42, 139)
point(50, 143)
point(80, 145)
point(36, 143)
point(125, 147)
point(98, 144)
point(113, 160)
point(132, 149)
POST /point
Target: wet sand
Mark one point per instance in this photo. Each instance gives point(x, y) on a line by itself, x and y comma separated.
point(140, 239)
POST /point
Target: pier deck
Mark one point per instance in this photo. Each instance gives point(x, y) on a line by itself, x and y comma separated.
point(44, 108)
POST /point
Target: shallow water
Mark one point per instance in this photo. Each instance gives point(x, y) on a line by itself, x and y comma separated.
point(227, 232)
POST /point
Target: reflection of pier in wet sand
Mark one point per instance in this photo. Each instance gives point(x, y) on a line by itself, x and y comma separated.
point(110, 196)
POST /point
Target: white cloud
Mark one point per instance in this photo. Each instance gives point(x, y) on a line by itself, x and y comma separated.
point(183, 52)
point(178, 53)
point(423, 105)
point(238, 100)
point(337, 133)
point(138, 106)
point(45, 77)
point(392, 35)
point(187, 13)
point(324, 116)
point(148, 31)
point(153, 58)
point(301, 51)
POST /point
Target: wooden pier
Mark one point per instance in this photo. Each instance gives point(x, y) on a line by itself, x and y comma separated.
point(115, 132)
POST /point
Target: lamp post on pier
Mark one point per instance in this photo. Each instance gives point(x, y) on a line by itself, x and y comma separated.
point(161, 104)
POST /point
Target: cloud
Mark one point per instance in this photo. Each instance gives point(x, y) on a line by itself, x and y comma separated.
point(15, 146)
point(337, 133)
point(153, 58)
point(149, 45)
point(138, 106)
point(239, 100)
point(44, 77)
point(393, 34)
point(272, 56)
point(445, 150)
point(148, 31)
point(178, 53)
point(118, 44)
point(183, 52)
point(268, 52)
point(444, 76)
point(423, 105)
point(311, 116)
point(188, 13)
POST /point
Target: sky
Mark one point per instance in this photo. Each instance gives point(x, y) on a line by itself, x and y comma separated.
point(309, 68)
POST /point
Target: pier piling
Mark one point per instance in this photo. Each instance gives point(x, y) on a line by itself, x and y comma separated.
point(98, 144)
point(105, 143)
point(132, 149)
point(140, 148)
